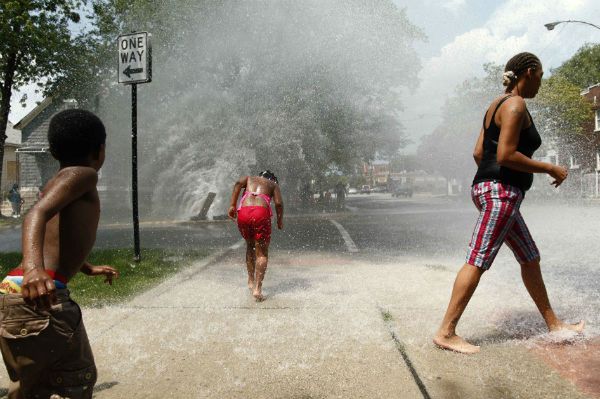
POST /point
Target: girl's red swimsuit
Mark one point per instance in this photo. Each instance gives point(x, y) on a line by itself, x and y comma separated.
point(254, 222)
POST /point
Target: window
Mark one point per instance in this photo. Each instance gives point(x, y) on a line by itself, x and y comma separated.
point(573, 162)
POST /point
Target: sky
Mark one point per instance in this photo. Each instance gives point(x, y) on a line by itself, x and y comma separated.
point(462, 35)
point(465, 34)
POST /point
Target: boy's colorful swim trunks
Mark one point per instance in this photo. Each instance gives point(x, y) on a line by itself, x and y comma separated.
point(499, 221)
point(14, 279)
point(254, 222)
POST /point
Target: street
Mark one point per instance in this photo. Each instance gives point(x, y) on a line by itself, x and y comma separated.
point(353, 300)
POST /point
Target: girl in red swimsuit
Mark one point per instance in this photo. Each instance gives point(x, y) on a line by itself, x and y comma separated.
point(254, 222)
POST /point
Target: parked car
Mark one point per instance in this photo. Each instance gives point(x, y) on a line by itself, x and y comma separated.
point(365, 189)
point(403, 191)
point(352, 190)
point(378, 189)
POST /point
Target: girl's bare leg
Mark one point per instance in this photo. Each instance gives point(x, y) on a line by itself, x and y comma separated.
point(464, 286)
point(532, 278)
point(262, 257)
point(250, 262)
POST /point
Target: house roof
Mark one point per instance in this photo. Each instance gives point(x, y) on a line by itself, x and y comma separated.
point(13, 136)
point(33, 113)
point(588, 89)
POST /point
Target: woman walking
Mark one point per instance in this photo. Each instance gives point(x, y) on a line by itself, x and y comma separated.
point(254, 222)
point(503, 154)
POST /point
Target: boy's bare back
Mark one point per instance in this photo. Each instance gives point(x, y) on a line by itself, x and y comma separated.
point(70, 234)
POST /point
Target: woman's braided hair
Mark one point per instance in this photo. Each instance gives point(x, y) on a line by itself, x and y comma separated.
point(517, 65)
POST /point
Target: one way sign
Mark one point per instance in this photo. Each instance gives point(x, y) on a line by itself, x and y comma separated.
point(135, 58)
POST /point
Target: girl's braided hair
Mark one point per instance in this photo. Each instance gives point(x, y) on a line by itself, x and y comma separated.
point(267, 174)
point(517, 65)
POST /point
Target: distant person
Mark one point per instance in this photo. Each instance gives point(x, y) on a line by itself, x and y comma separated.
point(306, 196)
point(42, 337)
point(254, 222)
point(340, 196)
point(15, 199)
point(326, 200)
point(503, 154)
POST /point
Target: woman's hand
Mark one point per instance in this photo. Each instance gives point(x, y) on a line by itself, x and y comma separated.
point(558, 173)
point(232, 212)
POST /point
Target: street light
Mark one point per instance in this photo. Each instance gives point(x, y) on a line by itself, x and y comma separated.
point(552, 25)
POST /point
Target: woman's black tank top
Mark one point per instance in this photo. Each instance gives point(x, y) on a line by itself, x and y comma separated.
point(489, 169)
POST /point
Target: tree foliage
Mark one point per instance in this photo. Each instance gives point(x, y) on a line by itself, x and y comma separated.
point(35, 46)
point(297, 87)
point(447, 150)
point(561, 113)
point(583, 68)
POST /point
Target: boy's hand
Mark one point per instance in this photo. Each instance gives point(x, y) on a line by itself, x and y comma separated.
point(108, 271)
point(38, 288)
point(232, 213)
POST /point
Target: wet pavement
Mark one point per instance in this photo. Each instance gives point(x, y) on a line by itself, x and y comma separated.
point(339, 323)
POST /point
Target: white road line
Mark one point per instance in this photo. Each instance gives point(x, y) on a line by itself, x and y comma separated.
point(347, 239)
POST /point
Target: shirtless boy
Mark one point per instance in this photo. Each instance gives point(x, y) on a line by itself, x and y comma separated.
point(42, 336)
point(254, 222)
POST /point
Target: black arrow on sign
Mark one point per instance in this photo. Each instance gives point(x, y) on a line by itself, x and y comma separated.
point(129, 71)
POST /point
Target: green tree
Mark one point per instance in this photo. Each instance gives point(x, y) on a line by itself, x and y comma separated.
point(298, 87)
point(561, 113)
point(35, 46)
point(447, 150)
point(583, 68)
point(560, 110)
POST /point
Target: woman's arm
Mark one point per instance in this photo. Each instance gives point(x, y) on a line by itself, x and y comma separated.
point(513, 115)
point(478, 151)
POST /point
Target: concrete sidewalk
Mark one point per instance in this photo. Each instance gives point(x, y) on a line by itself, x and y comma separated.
point(326, 331)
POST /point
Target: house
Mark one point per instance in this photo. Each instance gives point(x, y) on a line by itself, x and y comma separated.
point(37, 165)
point(592, 178)
point(10, 166)
point(376, 172)
point(582, 157)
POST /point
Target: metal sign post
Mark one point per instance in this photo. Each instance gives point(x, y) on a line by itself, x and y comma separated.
point(135, 66)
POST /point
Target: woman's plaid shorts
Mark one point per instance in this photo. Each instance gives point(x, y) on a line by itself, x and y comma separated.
point(499, 221)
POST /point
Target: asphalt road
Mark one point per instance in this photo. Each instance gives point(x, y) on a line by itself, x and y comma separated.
point(377, 223)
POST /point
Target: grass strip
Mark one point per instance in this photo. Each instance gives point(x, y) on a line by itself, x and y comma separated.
point(156, 265)
point(6, 221)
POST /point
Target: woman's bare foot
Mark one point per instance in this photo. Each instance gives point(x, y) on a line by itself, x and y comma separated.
point(455, 343)
point(251, 285)
point(571, 327)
